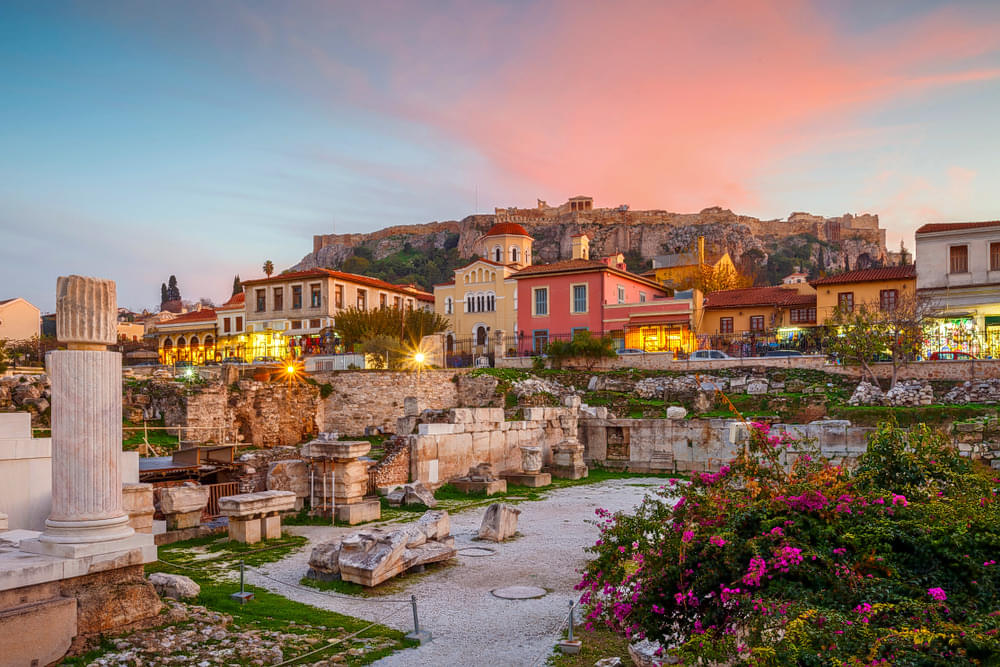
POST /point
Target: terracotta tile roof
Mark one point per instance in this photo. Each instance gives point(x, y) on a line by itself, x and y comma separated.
point(235, 302)
point(869, 275)
point(758, 296)
point(339, 275)
point(203, 315)
point(576, 265)
point(565, 265)
point(955, 226)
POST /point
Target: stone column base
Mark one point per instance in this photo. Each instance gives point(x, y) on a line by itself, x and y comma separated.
point(570, 472)
point(532, 479)
point(245, 529)
point(355, 513)
point(143, 541)
point(182, 520)
point(271, 527)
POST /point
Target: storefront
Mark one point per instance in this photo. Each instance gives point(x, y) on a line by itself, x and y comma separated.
point(658, 333)
point(956, 332)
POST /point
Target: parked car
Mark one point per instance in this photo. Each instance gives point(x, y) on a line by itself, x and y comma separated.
point(631, 350)
point(950, 355)
point(232, 360)
point(266, 360)
point(708, 354)
point(782, 353)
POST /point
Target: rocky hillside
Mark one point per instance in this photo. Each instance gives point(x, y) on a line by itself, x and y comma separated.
point(769, 249)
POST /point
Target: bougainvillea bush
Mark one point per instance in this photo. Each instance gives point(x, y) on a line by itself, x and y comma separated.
point(891, 562)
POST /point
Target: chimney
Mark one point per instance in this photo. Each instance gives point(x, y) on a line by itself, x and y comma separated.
point(701, 249)
point(581, 246)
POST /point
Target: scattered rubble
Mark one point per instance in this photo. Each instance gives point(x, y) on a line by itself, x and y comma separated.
point(534, 385)
point(499, 522)
point(412, 494)
point(977, 391)
point(906, 393)
point(370, 557)
point(866, 393)
point(175, 586)
point(31, 393)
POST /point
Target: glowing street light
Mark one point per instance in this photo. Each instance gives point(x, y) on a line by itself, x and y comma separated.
point(419, 357)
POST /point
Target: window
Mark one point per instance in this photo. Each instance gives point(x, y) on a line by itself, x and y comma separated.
point(579, 298)
point(539, 340)
point(541, 302)
point(498, 254)
point(279, 299)
point(845, 301)
point(995, 257)
point(449, 306)
point(803, 315)
point(577, 330)
point(239, 323)
point(397, 302)
point(887, 299)
point(296, 296)
point(338, 296)
point(314, 324)
point(261, 300)
point(363, 299)
point(642, 297)
point(514, 255)
point(226, 324)
point(621, 294)
point(314, 296)
point(383, 300)
point(725, 325)
point(959, 256)
point(296, 324)
point(756, 323)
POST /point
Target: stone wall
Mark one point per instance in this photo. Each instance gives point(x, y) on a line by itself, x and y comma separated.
point(362, 399)
point(394, 468)
point(921, 370)
point(263, 414)
point(979, 440)
point(666, 445)
point(470, 436)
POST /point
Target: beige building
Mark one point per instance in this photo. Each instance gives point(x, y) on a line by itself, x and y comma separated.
point(483, 296)
point(291, 314)
point(19, 320)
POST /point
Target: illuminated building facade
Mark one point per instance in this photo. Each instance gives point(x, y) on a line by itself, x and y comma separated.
point(188, 337)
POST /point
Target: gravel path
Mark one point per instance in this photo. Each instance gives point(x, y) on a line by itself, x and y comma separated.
point(470, 626)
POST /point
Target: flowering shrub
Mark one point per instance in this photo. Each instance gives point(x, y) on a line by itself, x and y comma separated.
point(893, 562)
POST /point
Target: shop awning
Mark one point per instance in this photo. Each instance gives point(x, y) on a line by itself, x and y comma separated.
point(652, 319)
point(992, 320)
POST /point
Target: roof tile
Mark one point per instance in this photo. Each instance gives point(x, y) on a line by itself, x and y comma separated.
point(869, 275)
point(758, 296)
point(955, 226)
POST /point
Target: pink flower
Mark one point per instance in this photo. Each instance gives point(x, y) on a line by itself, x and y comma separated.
point(687, 536)
point(899, 500)
point(716, 541)
point(937, 594)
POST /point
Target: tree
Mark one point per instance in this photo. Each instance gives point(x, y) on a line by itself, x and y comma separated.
point(407, 326)
point(4, 357)
point(385, 352)
point(237, 285)
point(354, 264)
point(868, 331)
point(164, 294)
point(583, 346)
point(723, 278)
point(173, 291)
point(268, 267)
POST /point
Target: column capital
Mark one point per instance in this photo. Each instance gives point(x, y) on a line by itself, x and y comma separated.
point(86, 312)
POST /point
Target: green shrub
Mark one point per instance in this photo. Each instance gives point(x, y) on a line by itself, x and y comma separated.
point(894, 562)
point(582, 346)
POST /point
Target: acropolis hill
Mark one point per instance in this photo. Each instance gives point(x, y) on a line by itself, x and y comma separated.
point(833, 242)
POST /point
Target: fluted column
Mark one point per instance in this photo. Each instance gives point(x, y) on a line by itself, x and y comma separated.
point(86, 421)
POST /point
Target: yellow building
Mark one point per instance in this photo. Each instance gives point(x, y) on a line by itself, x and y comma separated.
point(685, 270)
point(232, 335)
point(884, 287)
point(187, 337)
point(483, 296)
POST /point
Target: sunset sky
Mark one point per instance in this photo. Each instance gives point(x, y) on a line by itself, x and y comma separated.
point(143, 139)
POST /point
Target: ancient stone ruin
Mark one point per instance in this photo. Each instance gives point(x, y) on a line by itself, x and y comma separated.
point(370, 557)
point(480, 479)
point(499, 522)
point(256, 516)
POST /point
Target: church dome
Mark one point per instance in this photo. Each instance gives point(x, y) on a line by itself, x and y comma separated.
point(510, 228)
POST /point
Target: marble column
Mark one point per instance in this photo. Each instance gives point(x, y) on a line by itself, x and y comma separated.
point(87, 514)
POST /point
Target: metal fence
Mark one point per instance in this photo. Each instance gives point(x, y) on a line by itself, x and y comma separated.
point(216, 491)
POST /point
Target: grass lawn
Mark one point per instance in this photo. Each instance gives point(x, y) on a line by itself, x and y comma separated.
point(132, 435)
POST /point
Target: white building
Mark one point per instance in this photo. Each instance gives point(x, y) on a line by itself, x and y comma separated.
point(19, 320)
point(958, 271)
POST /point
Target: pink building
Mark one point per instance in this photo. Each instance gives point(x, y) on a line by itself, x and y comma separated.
point(556, 301)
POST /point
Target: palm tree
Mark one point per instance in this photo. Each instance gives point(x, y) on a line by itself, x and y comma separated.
point(268, 268)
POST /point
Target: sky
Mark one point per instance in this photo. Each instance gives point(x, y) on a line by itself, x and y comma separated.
point(144, 139)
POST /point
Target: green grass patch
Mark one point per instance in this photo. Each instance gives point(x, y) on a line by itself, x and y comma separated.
point(132, 436)
point(597, 644)
point(935, 415)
